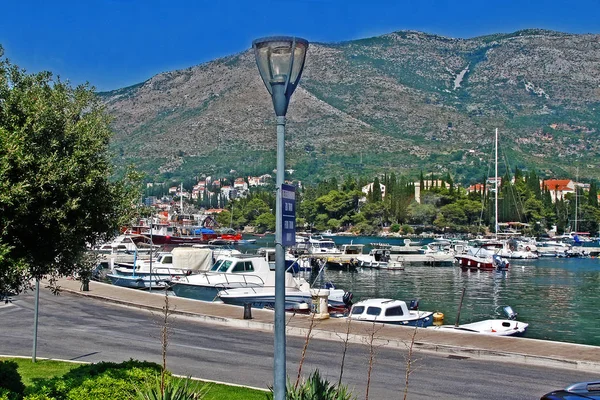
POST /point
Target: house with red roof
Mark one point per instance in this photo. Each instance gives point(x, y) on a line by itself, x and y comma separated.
point(558, 188)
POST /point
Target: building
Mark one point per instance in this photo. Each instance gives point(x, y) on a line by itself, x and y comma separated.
point(558, 188)
point(369, 188)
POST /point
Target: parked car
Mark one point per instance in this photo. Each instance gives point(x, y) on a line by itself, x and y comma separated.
point(581, 390)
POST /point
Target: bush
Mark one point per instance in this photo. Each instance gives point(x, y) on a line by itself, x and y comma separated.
point(10, 380)
point(101, 381)
point(317, 388)
point(173, 389)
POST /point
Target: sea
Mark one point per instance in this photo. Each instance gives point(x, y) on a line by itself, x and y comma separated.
point(558, 297)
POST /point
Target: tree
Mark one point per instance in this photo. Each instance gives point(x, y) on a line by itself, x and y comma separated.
point(56, 197)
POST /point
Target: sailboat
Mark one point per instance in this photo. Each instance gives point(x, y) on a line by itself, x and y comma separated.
point(486, 255)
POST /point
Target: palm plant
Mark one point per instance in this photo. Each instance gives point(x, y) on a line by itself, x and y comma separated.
point(172, 389)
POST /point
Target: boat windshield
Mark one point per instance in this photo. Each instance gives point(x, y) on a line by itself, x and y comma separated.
point(221, 266)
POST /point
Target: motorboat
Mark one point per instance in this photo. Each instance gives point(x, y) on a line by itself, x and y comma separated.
point(158, 271)
point(483, 257)
point(236, 271)
point(391, 311)
point(126, 243)
point(494, 327)
point(377, 258)
point(347, 258)
point(298, 295)
point(316, 245)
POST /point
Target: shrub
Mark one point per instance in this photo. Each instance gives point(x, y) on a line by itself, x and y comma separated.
point(317, 388)
point(101, 381)
point(173, 389)
point(10, 380)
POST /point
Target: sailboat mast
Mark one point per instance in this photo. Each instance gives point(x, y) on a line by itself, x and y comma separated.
point(496, 193)
point(576, 196)
point(181, 198)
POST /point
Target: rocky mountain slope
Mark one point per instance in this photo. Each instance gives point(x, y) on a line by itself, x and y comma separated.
point(403, 102)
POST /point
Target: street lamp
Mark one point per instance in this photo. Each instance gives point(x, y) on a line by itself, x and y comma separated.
point(280, 60)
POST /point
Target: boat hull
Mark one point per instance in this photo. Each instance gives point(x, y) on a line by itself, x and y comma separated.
point(424, 320)
point(473, 262)
point(137, 281)
point(202, 292)
point(491, 327)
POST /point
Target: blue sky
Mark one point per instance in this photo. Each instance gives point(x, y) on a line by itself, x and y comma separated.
point(117, 43)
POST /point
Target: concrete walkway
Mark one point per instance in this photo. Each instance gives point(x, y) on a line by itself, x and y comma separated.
point(509, 349)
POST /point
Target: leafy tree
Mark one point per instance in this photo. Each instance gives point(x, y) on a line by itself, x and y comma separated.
point(265, 222)
point(224, 218)
point(56, 197)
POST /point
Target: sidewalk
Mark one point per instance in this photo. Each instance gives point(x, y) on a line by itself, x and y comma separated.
point(509, 349)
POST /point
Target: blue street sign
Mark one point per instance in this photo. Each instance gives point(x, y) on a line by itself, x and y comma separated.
point(288, 214)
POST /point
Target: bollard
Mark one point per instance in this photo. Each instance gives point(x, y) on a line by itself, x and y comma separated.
point(247, 310)
point(320, 303)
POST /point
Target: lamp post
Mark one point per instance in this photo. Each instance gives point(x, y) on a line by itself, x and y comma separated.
point(280, 60)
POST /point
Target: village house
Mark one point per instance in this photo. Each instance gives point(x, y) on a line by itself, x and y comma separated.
point(558, 188)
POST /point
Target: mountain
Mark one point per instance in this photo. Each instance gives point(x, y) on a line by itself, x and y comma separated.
point(403, 102)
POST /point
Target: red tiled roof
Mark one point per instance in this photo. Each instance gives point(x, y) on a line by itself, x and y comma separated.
point(557, 184)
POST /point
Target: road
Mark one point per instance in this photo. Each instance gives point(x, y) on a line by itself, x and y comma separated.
point(83, 329)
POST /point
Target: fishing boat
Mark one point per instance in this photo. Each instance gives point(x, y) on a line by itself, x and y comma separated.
point(391, 311)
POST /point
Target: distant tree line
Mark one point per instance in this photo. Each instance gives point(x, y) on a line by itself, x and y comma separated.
point(443, 207)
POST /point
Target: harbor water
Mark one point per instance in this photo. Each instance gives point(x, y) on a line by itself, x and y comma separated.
point(558, 297)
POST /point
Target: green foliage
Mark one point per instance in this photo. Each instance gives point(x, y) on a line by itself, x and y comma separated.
point(317, 388)
point(10, 380)
point(407, 229)
point(172, 389)
point(395, 228)
point(265, 222)
point(55, 175)
point(101, 381)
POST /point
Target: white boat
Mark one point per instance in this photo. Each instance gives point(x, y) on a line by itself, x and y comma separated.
point(316, 245)
point(395, 265)
point(553, 248)
point(298, 295)
point(377, 258)
point(126, 243)
point(228, 272)
point(391, 311)
point(494, 327)
point(158, 272)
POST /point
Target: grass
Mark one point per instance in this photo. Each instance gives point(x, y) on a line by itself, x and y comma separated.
point(41, 369)
point(45, 369)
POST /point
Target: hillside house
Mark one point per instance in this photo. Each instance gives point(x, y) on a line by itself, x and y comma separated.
point(558, 188)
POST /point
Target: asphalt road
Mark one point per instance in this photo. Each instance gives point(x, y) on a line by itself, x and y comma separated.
point(76, 328)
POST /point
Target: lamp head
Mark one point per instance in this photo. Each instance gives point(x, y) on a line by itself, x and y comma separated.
point(280, 61)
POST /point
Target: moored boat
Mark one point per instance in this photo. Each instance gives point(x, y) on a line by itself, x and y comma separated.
point(391, 311)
